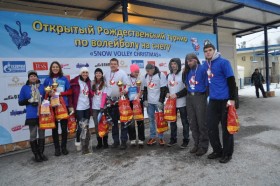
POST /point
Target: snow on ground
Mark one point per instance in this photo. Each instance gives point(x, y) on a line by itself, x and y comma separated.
point(255, 160)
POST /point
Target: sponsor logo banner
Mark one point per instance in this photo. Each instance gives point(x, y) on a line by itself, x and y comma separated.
point(16, 82)
point(80, 65)
point(14, 66)
point(3, 107)
point(152, 62)
point(40, 66)
point(102, 65)
point(140, 63)
point(17, 112)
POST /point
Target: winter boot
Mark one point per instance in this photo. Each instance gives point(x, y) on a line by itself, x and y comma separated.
point(99, 143)
point(85, 146)
point(56, 143)
point(41, 148)
point(78, 146)
point(34, 148)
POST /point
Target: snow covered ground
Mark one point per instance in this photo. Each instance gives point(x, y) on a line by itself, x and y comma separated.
point(256, 160)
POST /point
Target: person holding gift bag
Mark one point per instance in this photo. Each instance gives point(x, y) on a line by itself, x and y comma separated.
point(222, 88)
point(154, 95)
point(82, 103)
point(134, 95)
point(177, 90)
point(197, 85)
point(61, 88)
point(30, 96)
point(114, 93)
point(98, 105)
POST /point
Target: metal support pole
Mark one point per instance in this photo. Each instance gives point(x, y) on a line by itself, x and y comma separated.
point(124, 11)
point(266, 58)
point(215, 31)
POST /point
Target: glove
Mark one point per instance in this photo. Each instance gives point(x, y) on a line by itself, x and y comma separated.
point(145, 104)
point(160, 105)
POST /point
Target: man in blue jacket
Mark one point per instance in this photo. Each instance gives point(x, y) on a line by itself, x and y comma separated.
point(221, 93)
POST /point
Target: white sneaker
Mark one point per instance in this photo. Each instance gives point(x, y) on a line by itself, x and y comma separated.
point(140, 142)
point(78, 146)
point(133, 142)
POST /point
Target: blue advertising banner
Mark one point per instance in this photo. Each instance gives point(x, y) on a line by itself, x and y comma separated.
point(28, 35)
point(32, 42)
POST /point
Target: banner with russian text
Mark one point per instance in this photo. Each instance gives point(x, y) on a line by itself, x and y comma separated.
point(30, 41)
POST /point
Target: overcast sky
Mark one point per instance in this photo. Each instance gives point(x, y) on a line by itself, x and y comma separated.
point(257, 39)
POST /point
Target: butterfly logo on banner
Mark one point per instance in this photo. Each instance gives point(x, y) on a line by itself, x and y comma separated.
point(20, 38)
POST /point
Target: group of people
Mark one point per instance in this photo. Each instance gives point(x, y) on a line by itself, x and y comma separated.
point(189, 86)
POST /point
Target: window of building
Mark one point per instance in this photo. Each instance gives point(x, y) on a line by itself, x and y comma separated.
point(243, 58)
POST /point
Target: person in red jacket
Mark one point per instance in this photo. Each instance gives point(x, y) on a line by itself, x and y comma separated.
point(82, 103)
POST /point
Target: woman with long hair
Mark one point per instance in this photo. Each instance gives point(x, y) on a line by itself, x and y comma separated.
point(81, 100)
point(63, 89)
point(98, 87)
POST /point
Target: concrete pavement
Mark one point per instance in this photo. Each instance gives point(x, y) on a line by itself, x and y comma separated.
point(256, 160)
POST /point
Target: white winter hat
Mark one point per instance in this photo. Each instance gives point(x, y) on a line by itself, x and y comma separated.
point(83, 69)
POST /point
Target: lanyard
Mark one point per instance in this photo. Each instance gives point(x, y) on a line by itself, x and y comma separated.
point(194, 74)
point(111, 78)
point(173, 77)
point(209, 65)
point(150, 79)
point(133, 83)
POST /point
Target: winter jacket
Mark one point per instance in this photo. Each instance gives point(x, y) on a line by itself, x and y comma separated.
point(25, 95)
point(64, 84)
point(75, 87)
point(257, 78)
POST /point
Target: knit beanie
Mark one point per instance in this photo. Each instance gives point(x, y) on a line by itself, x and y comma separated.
point(134, 67)
point(98, 70)
point(32, 72)
point(83, 69)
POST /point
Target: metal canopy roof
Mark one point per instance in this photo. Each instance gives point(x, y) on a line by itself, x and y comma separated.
point(238, 17)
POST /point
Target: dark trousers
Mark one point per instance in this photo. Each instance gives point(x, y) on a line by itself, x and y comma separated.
point(115, 114)
point(80, 115)
point(185, 123)
point(216, 113)
point(257, 87)
point(196, 108)
point(64, 133)
point(140, 127)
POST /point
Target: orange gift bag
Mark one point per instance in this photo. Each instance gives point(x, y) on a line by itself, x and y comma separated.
point(232, 120)
point(61, 111)
point(170, 113)
point(103, 127)
point(162, 125)
point(72, 125)
point(126, 113)
point(137, 110)
point(55, 100)
point(47, 121)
